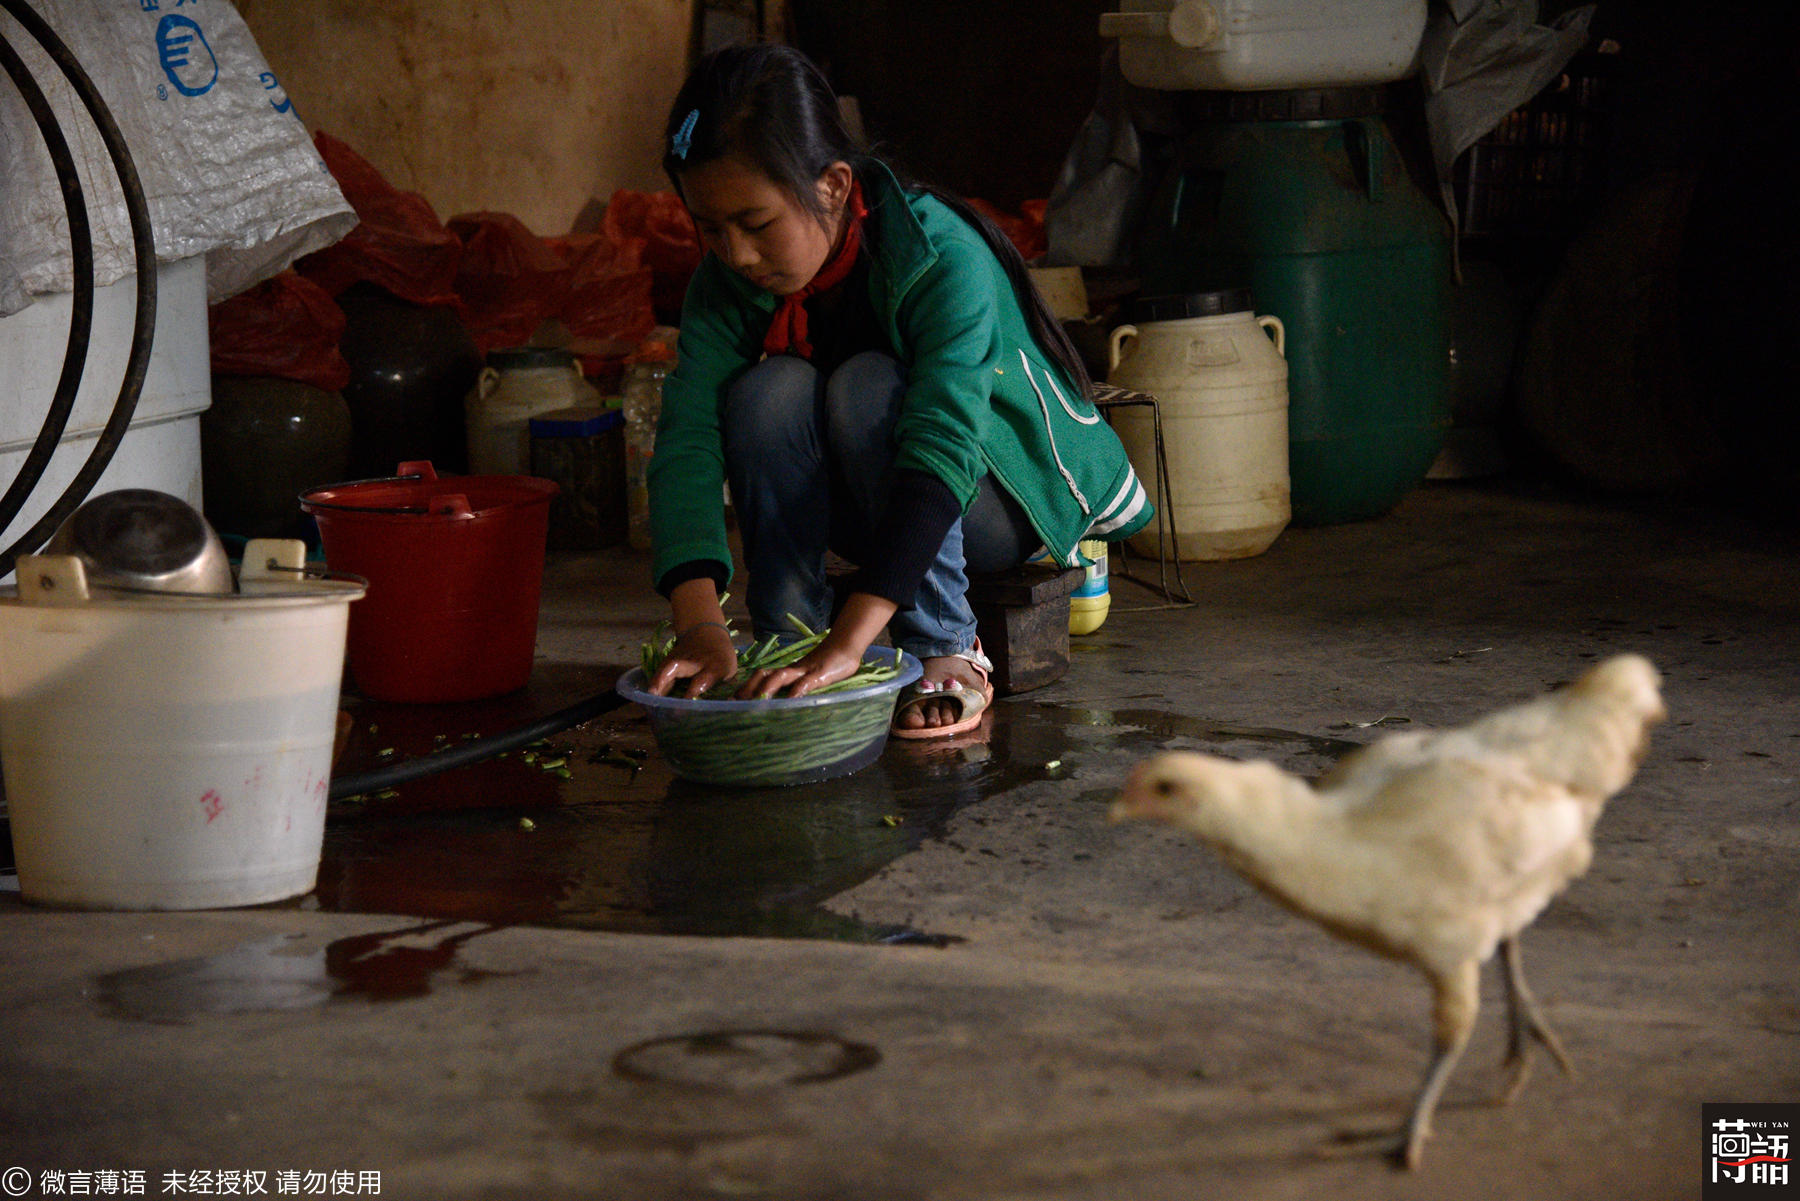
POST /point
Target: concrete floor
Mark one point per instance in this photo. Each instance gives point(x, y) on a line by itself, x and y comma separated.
point(1113, 1014)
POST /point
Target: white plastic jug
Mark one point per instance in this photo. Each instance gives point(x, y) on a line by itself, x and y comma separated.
point(1260, 45)
point(515, 386)
point(1221, 384)
point(169, 751)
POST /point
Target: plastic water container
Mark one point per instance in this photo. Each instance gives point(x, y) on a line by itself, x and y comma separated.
point(516, 385)
point(1089, 603)
point(642, 405)
point(1306, 198)
point(167, 751)
point(1221, 382)
point(1258, 45)
point(582, 449)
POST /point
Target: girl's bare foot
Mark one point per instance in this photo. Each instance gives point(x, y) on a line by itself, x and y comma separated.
point(940, 670)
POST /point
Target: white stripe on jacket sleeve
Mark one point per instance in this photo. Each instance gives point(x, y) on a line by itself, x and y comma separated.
point(1136, 505)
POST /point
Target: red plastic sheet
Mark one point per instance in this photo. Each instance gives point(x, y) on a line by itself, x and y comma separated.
point(1025, 230)
point(610, 288)
point(510, 280)
point(287, 327)
point(399, 243)
point(671, 247)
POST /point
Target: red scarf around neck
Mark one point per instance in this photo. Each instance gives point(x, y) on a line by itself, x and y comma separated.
point(787, 332)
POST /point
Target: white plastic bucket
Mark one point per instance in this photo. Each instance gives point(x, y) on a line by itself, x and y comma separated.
point(168, 752)
point(1221, 385)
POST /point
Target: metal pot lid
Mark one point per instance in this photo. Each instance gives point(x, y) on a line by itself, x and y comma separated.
point(144, 539)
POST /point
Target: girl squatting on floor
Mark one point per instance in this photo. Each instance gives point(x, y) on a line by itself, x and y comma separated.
point(867, 364)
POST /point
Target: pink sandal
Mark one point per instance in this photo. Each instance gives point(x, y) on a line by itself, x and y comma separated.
point(972, 702)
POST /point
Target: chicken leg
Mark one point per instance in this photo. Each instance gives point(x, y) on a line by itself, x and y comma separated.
point(1525, 1021)
point(1456, 996)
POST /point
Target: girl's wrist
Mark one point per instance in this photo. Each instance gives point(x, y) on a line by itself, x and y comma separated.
point(863, 618)
point(694, 603)
point(701, 625)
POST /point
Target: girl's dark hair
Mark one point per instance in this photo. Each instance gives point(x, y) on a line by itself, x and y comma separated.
point(769, 107)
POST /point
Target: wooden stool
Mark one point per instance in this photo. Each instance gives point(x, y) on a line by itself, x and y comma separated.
point(1022, 618)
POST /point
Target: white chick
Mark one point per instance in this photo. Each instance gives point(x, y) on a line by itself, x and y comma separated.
point(1431, 848)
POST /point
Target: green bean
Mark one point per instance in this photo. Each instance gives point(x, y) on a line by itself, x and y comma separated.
point(766, 655)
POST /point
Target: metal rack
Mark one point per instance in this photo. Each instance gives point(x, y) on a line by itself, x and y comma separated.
point(1168, 542)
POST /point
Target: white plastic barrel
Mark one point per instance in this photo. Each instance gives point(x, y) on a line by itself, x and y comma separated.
point(168, 751)
point(161, 447)
point(515, 386)
point(1221, 386)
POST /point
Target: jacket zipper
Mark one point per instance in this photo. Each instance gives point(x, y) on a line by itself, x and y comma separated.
point(1131, 494)
point(1068, 478)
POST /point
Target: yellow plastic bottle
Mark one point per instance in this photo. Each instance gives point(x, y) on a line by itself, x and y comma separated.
point(1089, 603)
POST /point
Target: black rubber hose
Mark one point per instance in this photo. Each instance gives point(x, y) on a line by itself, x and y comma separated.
point(137, 364)
point(81, 315)
point(475, 749)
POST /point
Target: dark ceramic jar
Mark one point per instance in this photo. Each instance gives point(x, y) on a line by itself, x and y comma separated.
point(410, 368)
point(262, 443)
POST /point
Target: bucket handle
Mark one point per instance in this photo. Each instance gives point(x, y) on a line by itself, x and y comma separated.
point(408, 472)
point(271, 562)
point(1113, 346)
point(310, 571)
point(1274, 328)
point(449, 504)
point(52, 580)
point(60, 581)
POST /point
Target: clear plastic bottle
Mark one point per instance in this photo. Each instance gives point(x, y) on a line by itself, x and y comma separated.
point(642, 406)
point(1089, 603)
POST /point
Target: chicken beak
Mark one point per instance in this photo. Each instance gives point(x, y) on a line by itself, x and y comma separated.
point(1129, 804)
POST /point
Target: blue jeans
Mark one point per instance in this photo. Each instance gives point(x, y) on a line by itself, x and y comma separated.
point(810, 462)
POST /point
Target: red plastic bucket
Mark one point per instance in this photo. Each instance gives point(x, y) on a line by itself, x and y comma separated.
point(455, 569)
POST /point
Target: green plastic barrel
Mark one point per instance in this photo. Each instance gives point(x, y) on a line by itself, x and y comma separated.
point(1322, 221)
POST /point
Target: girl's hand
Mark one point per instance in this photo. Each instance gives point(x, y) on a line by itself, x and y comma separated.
point(834, 659)
point(702, 656)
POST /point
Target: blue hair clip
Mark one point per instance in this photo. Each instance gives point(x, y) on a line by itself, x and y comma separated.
point(683, 140)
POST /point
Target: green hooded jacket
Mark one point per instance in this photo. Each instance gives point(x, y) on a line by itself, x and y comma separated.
point(981, 395)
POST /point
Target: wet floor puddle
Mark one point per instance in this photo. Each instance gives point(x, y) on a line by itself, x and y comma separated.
point(293, 972)
point(591, 831)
